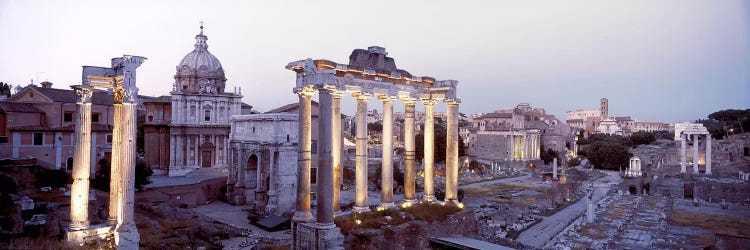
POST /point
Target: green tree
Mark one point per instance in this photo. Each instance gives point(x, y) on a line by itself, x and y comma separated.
point(548, 155)
point(735, 118)
point(642, 137)
point(142, 175)
point(608, 155)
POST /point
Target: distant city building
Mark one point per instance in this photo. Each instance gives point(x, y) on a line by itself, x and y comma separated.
point(591, 120)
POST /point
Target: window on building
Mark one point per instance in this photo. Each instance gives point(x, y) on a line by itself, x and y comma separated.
point(68, 117)
point(95, 117)
point(253, 129)
point(109, 139)
point(287, 138)
point(313, 175)
point(314, 149)
point(38, 138)
point(3, 139)
point(207, 116)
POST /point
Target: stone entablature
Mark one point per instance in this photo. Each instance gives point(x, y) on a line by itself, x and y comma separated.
point(265, 128)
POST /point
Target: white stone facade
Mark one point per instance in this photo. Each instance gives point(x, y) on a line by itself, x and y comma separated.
point(264, 161)
point(201, 113)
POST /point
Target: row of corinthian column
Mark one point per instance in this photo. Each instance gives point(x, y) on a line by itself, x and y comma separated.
point(524, 147)
point(329, 155)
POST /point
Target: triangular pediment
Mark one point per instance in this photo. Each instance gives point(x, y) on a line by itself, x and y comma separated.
point(30, 94)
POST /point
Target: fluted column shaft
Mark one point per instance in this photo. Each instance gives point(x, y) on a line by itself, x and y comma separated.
point(79, 198)
point(360, 189)
point(695, 153)
point(409, 153)
point(429, 150)
point(114, 185)
point(127, 167)
point(386, 185)
point(451, 157)
point(336, 147)
point(302, 212)
point(683, 154)
point(708, 154)
point(325, 178)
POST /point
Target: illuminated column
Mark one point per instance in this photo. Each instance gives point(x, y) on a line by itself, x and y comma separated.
point(538, 147)
point(429, 150)
point(126, 233)
point(302, 212)
point(451, 157)
point(114, 186)
point(360, 191)
point(683, 154)
point(509, 147)
point(79, 192)
point(516, 155)
point(708, 154)
point(386, 190)
point(336, 147)
point(695, 153)
point(324, 215)
point(523, 147)
point(409, 152)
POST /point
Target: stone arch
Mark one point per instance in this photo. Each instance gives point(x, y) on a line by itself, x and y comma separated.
point(252, 167)
point(207, 153)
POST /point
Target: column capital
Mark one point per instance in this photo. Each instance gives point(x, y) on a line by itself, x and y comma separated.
point(454, 101)
point(386, 98)
point(361, 95)
point(84, 93)
point(306, 90)
point(407, 99)
point(428, 102)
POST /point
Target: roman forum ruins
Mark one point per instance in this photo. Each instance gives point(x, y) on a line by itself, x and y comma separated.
point(370, 73)
point(683, 132)
point(121, 78)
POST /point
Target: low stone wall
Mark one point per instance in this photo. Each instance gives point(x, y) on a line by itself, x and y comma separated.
point(413, 234)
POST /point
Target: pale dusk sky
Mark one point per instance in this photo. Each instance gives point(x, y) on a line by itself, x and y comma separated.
point(664, 61)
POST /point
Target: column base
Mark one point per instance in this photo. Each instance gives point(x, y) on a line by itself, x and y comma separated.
point(318, 236)
point(303, 216)
point(429, 198)
point(127, 237)
point(81, 237)
point(387, 205)
point(408, 202)
point(360, 209)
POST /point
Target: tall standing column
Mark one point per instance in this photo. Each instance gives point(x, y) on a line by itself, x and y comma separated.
point(386, 190)
point(272, 196)
point(126, 233)
point(451, 157)
point(324, 213)
point(114, 185)
point(523, 147)
point(360, 189)
point(241, 191)
point(708, 154)
point(695, 153)
point(683, 154)
point(79, 198)
point(302, 212)
point(336, 147)
point(409, 152)
point(429, 150)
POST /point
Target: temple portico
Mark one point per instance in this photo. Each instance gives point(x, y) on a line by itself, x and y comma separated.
point(369, 74)
point(694, 132)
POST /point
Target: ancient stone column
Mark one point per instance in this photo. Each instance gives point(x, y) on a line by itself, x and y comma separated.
point(429, 150)
point(126, 233)
point(695, 153)
point(683, 154)
point(451, 157)
point(409, 152)
point(302, 212)
point(554, 168)
point(272, 196)
point(114, 185)
point(241, 192)
point(336, 147)
point(522, 138)
point(386, 187)
point(325, 211)
point(79, 192)
point(708, 154)
point(360, 189)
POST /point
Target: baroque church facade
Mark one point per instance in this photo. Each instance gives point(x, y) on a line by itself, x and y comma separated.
point(189, 130)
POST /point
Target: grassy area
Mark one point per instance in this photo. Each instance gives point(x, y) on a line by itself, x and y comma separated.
point(376, 219)
point(738, 226)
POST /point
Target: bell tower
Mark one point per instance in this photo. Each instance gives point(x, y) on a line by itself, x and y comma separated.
point(604, 106)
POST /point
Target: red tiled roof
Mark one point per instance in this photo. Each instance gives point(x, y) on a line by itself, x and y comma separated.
point(6, 107)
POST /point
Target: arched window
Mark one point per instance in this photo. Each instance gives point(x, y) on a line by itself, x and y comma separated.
point(253, 129)
point(287, 138)
point(207, 116)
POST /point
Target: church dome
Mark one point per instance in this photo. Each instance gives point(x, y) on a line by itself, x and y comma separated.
point(200, 71)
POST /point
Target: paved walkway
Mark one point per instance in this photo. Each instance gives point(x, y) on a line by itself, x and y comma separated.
point(541, 233)
point(234, 216)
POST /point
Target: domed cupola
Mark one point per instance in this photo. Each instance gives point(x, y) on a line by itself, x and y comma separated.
point(200, 71)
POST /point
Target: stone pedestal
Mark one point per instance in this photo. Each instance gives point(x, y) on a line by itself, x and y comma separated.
point(90, 235)
point(314, 236)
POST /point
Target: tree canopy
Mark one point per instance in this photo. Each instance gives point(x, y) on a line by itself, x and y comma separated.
point(440, 144)
point(642, 137)
point(608, 155)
